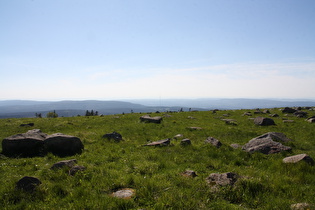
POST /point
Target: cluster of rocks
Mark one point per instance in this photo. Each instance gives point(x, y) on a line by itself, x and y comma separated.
point(36, 143)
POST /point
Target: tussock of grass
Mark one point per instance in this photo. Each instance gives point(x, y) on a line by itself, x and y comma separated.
point(155, 172)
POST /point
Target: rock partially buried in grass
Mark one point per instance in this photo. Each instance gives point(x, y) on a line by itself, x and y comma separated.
point(28, 183)
point(214, 142)
point(76, 169)
point(185, 142)
point(301, 206)
point(64, 163)
point(194, 128)
point(163, 142)
point(189, 173)
point(298, 158)
point(125, 193)
point(224, 179)
point(115, 136)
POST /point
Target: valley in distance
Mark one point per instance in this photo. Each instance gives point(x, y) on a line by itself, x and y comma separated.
point(69, 108)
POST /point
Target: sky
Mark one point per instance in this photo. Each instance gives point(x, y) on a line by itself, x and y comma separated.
point(148, 49)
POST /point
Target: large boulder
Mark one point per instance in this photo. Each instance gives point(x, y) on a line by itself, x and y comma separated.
point(63, 145)
point(27, 144)
point(264, 121)
point(267, 143)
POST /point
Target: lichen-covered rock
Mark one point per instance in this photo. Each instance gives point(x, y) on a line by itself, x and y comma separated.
point(114, 135)
point(223, 179)
point(149, 119)
point(163, 142)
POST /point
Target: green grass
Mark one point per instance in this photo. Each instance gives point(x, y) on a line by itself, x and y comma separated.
point(155, 172)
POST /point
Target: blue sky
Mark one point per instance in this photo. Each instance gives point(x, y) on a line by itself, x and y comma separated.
point(123, 49)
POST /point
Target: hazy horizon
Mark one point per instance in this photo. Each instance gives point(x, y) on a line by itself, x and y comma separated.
point(145, 49)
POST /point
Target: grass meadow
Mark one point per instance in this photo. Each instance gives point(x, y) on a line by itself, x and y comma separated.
point(155, 172)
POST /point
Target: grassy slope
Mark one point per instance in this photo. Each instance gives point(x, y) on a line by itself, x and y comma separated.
point(154, 172)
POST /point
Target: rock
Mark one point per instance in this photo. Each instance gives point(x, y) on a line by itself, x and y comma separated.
point(64, 163)
point(311, 119)
point(189, 173)
point(179, 136)
point(149, 119)
point(224, 179)
point(230, 121)
point(247, 114)
point(27, 125)
point(300, 114)
point(75, 169)
point(214, 142)
point(125, 193)
point(298, 158)
point(267, 143)
point(28, 183)
point(115, 136)
point(266, 111)
point(27, 144)
point(63, 145)
point(301, 206)
point(235, 146)
point(163, 142)
point(185, 142)
point(264, 121)
point(288, 110)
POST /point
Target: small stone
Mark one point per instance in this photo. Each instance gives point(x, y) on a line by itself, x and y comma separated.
point(301, 206)
point(189, 173)
point(214, 142)
point(63, 163)
point(185, 142)
point(224, 179)
point(125, 193)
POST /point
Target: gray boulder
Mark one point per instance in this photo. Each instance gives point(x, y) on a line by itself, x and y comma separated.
point(76, 169)
point(63, 145)
point(264, 121)
point(267, 143)
point(27, 144)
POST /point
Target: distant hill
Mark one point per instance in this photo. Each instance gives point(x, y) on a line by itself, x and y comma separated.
point(20, 108)
point(238, 103)
point(28, 108)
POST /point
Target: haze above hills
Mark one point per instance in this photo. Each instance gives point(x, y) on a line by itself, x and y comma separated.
point(28, 108)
